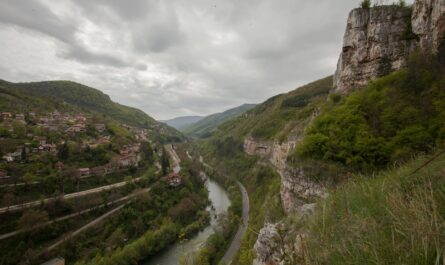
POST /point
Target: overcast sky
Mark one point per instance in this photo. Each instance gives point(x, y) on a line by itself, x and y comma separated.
point(174, 57)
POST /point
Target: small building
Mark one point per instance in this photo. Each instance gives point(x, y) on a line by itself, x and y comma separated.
point(173, 179)
point(48, 148)
point(15, 156)
point(6, 115)
point(83, 172)
point(76, 128)
point(56, 261)
point(20, 117)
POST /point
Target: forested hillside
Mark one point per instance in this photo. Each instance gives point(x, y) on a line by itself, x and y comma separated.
point(207, 125)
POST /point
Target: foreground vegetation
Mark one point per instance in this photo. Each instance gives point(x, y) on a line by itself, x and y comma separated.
point(385, 122)
point(396, 217)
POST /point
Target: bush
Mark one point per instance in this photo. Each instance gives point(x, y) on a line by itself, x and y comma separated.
point(389, 120)
point(366, 4)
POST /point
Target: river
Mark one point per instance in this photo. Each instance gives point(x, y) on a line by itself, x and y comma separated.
point(171, 256)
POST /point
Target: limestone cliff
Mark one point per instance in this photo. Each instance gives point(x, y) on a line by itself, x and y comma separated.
point(379, 40)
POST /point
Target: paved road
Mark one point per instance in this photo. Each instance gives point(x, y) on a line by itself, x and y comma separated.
point(20, 184)
point(85, 227)
point(19, 207)
point(236, 242)
point(66, 217)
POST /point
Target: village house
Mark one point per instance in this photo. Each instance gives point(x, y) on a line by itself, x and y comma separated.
point(15, 156)
point(6, 116)
point(76, 128)
point(83, 172)
point(20, 117)
point(48, 148)
point(173, 179)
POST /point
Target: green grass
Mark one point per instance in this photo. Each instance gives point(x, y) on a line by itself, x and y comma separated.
point(394, 218)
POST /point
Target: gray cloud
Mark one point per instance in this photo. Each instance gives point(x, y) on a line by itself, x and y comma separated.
point(174, 57)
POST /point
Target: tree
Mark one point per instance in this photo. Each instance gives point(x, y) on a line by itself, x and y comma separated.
point(23, 155)
point(8, 199)
point(366, 4)
point(165, 163)
point(148, 151)
point(64, 152)
point(32, 218)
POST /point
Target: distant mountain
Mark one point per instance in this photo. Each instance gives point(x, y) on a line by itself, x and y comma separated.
point(50, 95)
point(182, 122)
point(205, 126)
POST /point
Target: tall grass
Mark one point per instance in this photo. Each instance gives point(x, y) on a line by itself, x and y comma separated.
point(394, 218)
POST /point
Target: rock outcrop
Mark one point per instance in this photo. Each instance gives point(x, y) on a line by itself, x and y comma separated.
point(275, 152)
point(428, 23)
point(267, 245)
point(297, 190)
point(379, 40)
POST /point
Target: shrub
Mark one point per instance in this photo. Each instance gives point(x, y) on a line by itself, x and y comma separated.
point(389, 120)
point(366, 4)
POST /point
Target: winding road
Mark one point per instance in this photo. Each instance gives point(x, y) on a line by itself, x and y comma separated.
point(19, 207)
point(66, 217)
point(236, 242)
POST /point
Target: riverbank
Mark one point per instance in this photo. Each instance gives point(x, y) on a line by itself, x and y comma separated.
point(183, 250)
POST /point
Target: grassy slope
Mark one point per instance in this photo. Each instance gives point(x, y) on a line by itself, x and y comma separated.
point(279, 115)
point(394, 218)
point(205, 126)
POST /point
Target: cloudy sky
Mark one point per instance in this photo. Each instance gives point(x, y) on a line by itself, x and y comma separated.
point(174, 57)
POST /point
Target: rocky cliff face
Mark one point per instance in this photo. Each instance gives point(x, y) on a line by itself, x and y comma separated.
point(379, 40)
point(275, 152)
point(428, 23)
point(296, 190)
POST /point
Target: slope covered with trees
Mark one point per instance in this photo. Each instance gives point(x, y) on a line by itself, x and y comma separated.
point(205, 126)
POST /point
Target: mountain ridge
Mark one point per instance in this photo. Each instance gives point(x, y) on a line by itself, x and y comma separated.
point(204, 127)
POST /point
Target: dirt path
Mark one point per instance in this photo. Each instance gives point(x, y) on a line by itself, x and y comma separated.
point(19, 207)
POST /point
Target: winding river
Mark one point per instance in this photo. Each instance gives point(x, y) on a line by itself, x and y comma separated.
point(172, 255)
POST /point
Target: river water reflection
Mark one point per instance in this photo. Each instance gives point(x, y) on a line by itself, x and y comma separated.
point(171, 256)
